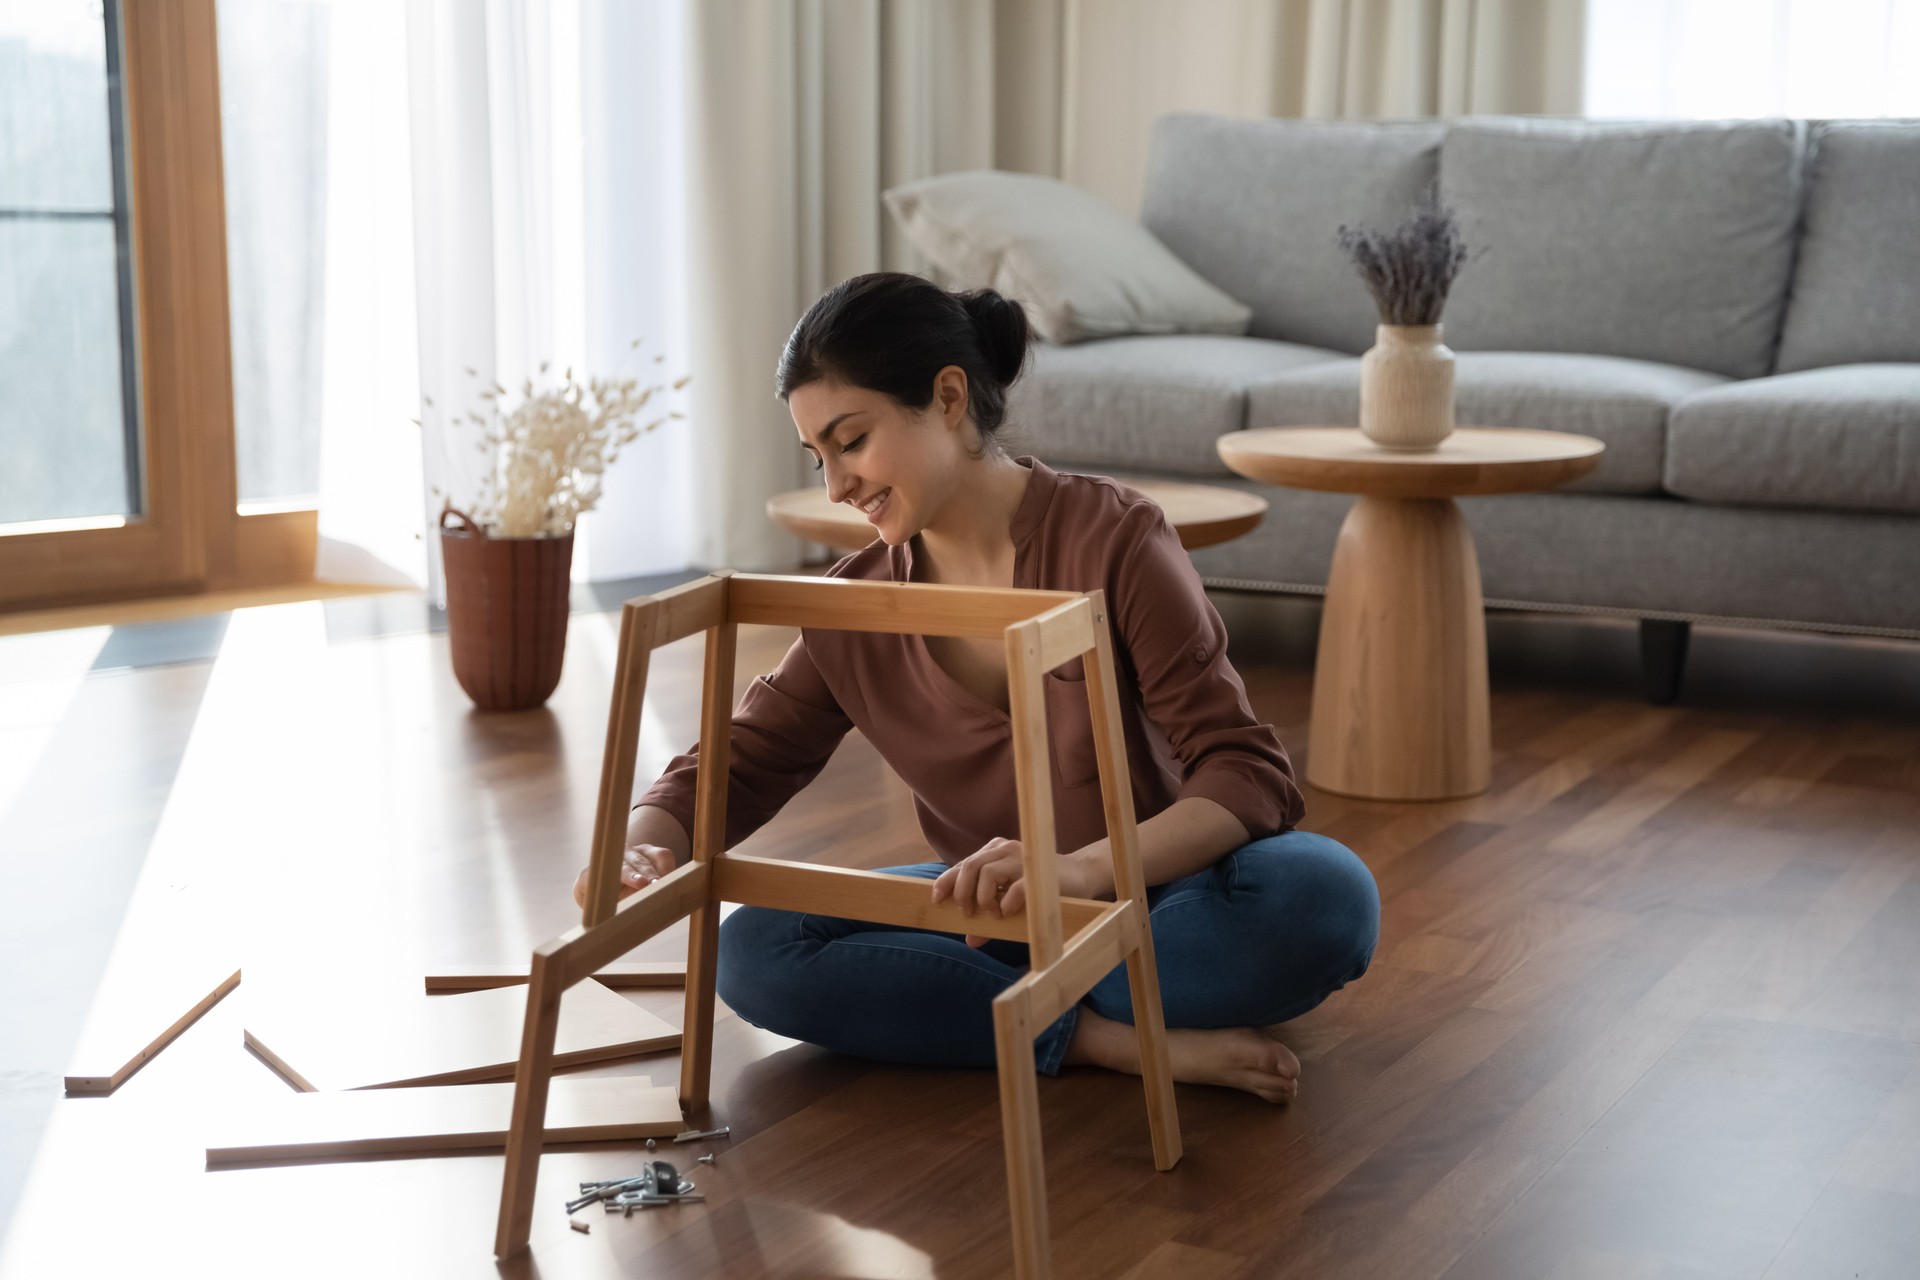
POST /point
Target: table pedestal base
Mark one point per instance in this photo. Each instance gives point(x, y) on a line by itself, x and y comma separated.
point(1400, 708)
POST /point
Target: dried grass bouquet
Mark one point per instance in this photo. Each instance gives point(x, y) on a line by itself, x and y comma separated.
point(550, 452)
point(1409, 269)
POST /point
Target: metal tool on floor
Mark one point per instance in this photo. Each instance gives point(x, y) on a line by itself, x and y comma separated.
point(695, 1135)
point(659, 1183)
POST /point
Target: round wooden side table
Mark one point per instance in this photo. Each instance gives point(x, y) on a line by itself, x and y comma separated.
point(1202, 514)
point(1400, 709)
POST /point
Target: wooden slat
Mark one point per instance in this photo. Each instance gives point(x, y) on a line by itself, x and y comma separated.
point(342, 1043)
point(1090, 956)
point(527, 1122)
point(871, 895)
point(581, 952)
point(690, 607)
point(127, 1028)
point(436, 1119)
point(709, 841)
point(1129, 880)
point(1033, 781)
point(639, 620)
point(625, 975)
point(928, 609)
point(1066, 632)
point(1020, 1134)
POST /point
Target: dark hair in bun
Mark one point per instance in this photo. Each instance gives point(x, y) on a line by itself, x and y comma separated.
point(891, 332)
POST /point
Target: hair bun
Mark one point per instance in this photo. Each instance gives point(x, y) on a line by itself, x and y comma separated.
point(1001, 325)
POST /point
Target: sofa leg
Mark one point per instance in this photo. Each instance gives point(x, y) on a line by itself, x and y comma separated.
point(1663, 658)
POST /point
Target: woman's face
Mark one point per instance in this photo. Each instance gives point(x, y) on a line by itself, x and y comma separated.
point(897, 465)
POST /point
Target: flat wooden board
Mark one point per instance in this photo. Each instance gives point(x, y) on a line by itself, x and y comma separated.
point(139, 1012)
point(342, 1044)
point(627, 975)
point(443, 1118)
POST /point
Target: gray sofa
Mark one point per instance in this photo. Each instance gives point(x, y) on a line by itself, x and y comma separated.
point(1734, 308)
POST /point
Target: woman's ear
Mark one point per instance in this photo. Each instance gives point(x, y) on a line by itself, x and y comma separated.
point(950, 395)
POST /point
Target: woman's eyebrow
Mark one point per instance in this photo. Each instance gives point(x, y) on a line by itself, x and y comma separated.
point(826, 432)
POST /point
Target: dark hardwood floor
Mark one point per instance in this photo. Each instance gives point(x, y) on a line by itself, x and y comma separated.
point(1648, 1008)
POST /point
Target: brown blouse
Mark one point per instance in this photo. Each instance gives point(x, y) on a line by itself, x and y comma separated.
point(1189, 728)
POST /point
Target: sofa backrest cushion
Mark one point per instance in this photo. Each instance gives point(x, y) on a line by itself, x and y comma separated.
point(1856, 287)
point(1254, 206)
point(1667, 241)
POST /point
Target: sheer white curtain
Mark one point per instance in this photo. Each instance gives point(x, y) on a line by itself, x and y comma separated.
point(547, 185)
point(491, 185)
point(1712, 59)
point(1125, 63)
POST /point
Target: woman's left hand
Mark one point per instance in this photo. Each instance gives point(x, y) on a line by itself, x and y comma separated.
point(994, 879)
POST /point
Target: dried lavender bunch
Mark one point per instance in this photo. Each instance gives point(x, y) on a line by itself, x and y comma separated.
point(1409, 269)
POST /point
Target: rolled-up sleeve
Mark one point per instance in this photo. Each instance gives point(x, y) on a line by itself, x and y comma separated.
point(1177, 645)
point(783, 733)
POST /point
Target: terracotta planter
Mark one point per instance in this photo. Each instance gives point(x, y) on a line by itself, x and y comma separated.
point(506, 612)
point(1406, 388)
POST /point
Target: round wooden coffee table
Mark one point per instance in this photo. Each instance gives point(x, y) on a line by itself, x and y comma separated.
point(1202, 514)
point(1400, 707)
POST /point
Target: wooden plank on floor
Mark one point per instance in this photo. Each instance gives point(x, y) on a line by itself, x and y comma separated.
point(329, 1044)
point(134, 1019)
point(434, 1120)
point(622, 976)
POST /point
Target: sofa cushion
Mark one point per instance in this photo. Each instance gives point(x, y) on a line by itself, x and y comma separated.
point(1846, 437)
point(1856, 287)
point(1156, 403)
point(1081, 269)
point(1623, 403)
point(1254, 205)
point(1668, 242)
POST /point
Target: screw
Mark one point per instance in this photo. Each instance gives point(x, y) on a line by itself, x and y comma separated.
point(694, 1135)
point(650, 1144)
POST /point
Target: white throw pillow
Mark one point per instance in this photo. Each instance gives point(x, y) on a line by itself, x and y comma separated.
point(1081, 269)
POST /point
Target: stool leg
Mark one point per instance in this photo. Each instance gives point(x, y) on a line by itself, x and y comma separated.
point(696, 1031)
point(1020, 1122)
point(526, 1130)
point(1156, 1070)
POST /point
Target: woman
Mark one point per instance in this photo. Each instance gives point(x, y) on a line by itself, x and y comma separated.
point(898, 390)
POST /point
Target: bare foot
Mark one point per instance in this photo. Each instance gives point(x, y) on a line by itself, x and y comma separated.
point(1235, 1057)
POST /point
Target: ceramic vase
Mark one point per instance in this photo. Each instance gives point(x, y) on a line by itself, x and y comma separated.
point(1406, 388)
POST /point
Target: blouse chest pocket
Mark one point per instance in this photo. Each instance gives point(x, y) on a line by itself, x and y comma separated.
point(1070, 725)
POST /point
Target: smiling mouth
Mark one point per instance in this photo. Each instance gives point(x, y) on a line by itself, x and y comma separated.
point(873, 508)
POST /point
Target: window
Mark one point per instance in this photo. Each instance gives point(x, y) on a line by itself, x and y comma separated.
point(1717, 59)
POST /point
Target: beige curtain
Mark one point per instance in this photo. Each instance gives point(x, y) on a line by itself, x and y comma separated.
point(1128, 62)
point(802, 112)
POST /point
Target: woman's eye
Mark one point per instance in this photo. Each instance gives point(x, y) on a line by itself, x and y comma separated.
point(817, 464)
point(852, 444)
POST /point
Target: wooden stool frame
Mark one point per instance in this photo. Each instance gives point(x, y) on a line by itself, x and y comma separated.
point(1073, 942)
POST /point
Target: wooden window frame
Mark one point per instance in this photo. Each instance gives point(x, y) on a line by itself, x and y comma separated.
point(191, 537)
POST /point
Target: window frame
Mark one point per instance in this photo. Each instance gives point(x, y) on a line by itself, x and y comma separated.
point(191, 536)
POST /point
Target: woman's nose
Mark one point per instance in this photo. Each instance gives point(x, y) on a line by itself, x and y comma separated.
point(839, 484)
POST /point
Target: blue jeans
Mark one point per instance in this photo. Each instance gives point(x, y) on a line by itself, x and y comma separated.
point(1261, 936)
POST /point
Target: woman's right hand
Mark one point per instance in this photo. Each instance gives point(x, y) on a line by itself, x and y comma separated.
point(642, 865)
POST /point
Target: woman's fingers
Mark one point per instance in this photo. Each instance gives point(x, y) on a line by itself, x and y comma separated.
point(966, 882)
point(1015, 897)
point(943, 884)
